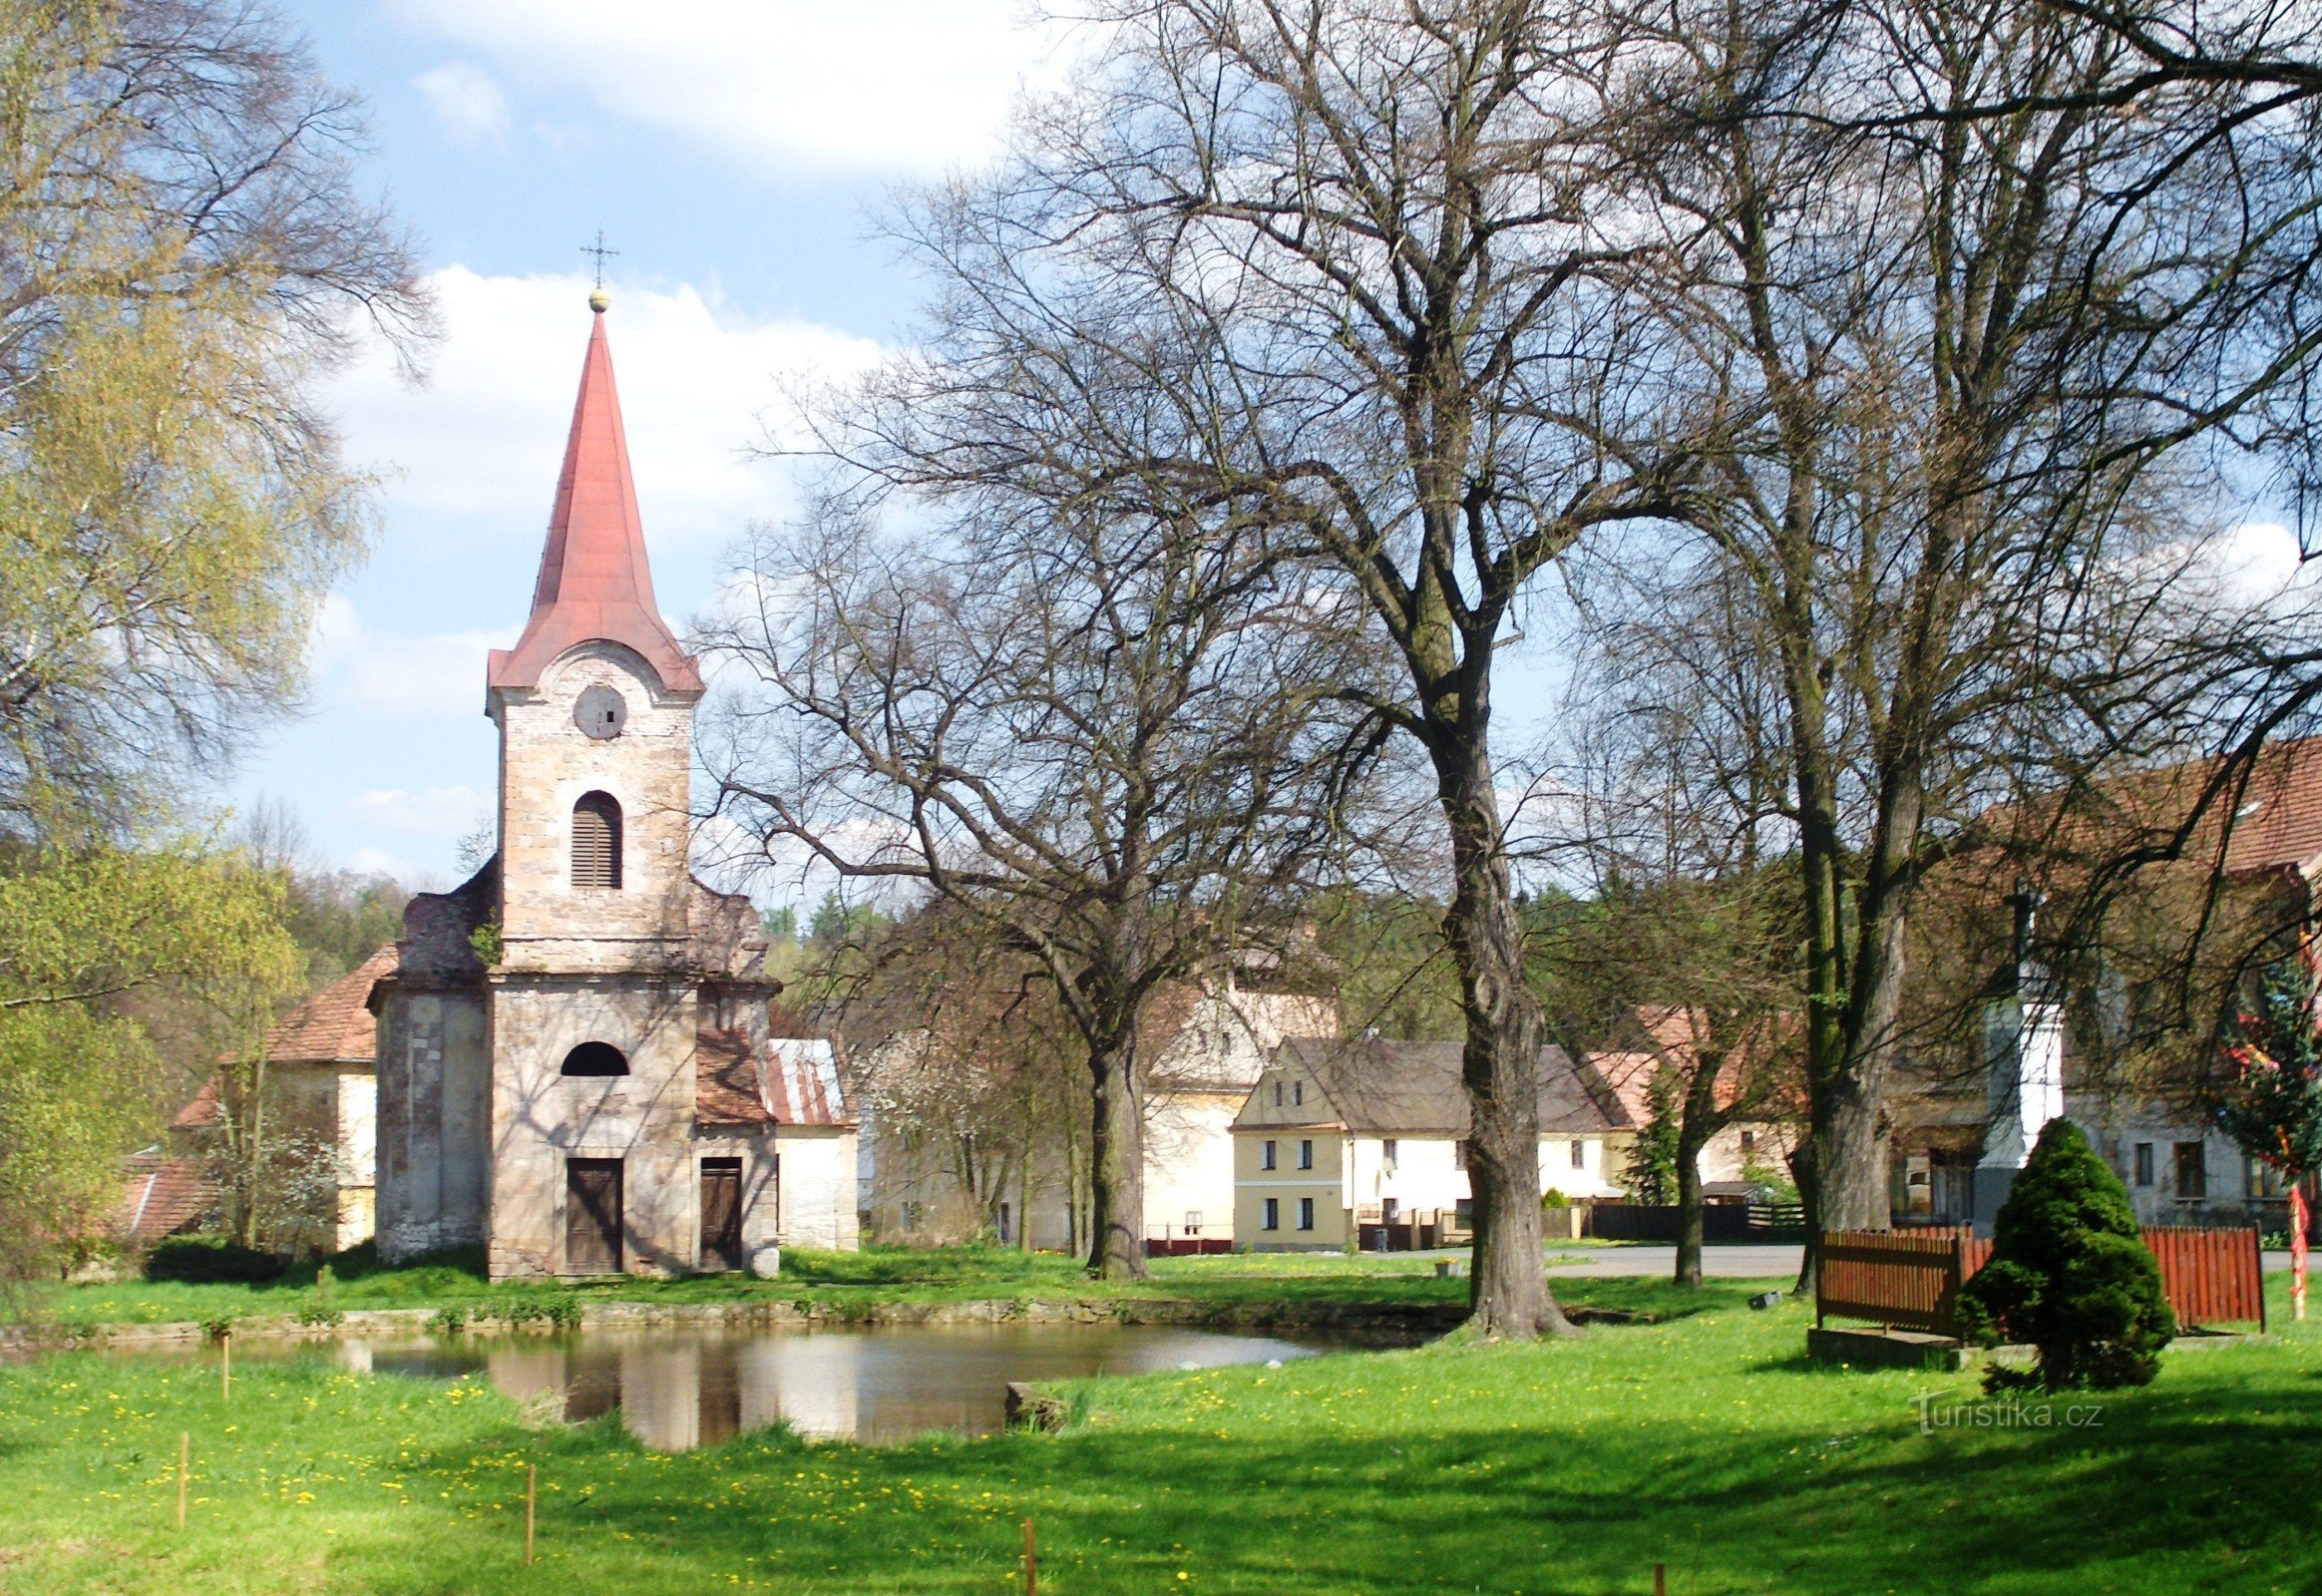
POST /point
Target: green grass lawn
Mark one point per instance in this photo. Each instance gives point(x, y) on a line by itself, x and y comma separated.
point(874, 1274)
point(1704, 1442)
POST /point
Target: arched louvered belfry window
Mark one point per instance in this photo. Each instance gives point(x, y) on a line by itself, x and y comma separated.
point(596, 841)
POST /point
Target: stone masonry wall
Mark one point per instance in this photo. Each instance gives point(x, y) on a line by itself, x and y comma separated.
point(541, 1117)
point(547, 764)
point(433, 1074)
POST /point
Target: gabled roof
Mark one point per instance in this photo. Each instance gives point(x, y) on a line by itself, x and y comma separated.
point(595, 581)
point(785, 1082)
point(1413, 1089)
point(163, 1196)
point(334, 1026)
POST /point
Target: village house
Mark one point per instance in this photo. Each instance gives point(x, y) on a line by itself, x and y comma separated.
point(1961, 1128)
point(1340, 1136)
point(1212, 1038)
point(1747, 1157)
point(320, 1102)
point(578, 1069)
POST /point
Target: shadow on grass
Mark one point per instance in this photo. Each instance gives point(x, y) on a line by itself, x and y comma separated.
point(2175, 1489)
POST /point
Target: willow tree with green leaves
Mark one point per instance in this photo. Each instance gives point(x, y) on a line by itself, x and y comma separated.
point(81, 936)
point(183, 251)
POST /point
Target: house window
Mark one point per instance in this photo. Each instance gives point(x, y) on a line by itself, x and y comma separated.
point(596, 1059)
point(1297, 1092)
point(1459, 1155)
point(596, 841)
point(1306, 1213)
point(1579, 1155)
point(2144, 1163)
point(1193, 1221)
point(1386, 1152)
point(1277, 1093)
point(2192, 1170)
point(1305, 1155)
point(1748, 1142)
point(1273, 1219)
point(1266, 1156)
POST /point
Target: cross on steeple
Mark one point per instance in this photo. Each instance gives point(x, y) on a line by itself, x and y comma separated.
point(601, 252)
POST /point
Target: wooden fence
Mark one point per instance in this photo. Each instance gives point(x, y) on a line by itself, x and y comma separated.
point(2212, 1276)
point(1910, 1279)
point(1187, 1246)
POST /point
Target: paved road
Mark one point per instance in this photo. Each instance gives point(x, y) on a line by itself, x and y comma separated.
point(1739, 1261)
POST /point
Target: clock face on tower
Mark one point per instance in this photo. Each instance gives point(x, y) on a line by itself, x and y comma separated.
point(601, 712)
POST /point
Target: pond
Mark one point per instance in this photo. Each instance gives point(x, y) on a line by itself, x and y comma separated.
point(695, 1387)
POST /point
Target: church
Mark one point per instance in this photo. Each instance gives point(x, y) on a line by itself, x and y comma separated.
point(578, 1053)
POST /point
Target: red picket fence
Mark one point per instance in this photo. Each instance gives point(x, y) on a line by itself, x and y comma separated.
point(1910, 1279)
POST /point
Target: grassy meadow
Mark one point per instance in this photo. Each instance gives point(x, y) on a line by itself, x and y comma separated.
point(876, 1274)
point(1703, 1441)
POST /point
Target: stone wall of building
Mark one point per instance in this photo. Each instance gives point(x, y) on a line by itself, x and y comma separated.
point(541, 1117)
point(548, 763)
point(434, 1079)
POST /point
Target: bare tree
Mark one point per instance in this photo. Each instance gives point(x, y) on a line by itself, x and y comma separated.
point(1114, 741)
point(1952, 356)
point(1335, 270)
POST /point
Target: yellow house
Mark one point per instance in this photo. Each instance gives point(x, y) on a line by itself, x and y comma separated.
point(1338, 1135)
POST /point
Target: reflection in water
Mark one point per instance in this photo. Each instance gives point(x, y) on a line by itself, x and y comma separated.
point(697, 1387)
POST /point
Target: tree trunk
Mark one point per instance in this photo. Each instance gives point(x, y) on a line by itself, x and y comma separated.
point(1117, 1166)
point(1500, 1066)
point(1689, 1211)
point(1801, 1168)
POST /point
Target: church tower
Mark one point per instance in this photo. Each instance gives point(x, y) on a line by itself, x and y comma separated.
point(578, 1067)
point(592, 1011)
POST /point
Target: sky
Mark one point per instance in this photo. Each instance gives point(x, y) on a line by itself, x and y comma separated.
point(736, 152)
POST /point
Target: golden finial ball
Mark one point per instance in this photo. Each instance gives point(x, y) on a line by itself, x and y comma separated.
point(598, 299)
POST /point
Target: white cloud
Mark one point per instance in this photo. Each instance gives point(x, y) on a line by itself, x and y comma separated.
point(467, 102)
point(440, 673)
point(484, 438)
point(864, 86)
point(430, 812)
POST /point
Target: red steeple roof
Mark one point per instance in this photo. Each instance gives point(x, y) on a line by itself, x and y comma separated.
point(594, 581)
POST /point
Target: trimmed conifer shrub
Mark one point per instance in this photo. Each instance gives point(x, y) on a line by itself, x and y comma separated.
point(2070, 1274)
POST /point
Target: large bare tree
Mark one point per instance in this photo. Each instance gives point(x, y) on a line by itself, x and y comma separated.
point(1956, 292)
point(1111, 739)
point(1336, 270)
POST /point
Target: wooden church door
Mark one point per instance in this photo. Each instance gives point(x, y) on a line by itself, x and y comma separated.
point(721, 1213)
point(593, 1216)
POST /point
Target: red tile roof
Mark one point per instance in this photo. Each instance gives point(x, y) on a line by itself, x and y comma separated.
point(2274, 803)
point(203, 1113)
point(334, 1026)
point(163, 1196)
